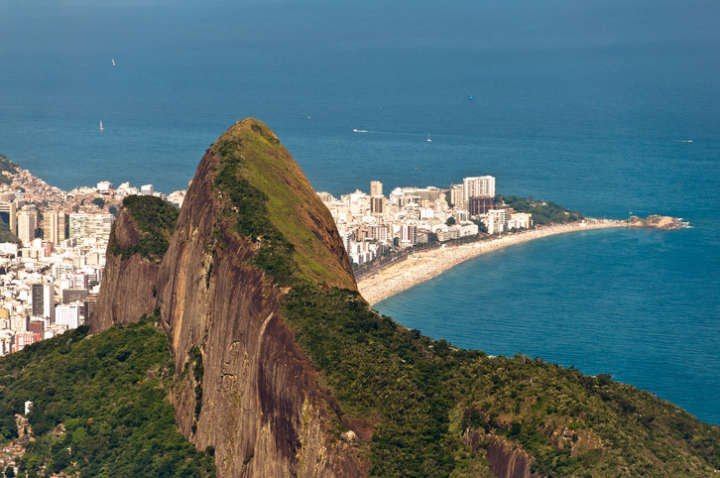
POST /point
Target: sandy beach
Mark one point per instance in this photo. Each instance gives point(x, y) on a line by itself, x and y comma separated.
point(425, 265)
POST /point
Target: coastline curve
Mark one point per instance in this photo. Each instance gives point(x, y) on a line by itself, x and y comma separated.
point(425, 265)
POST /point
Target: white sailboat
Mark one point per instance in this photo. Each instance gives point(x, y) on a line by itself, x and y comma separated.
point(114, 63)
point(102, 128)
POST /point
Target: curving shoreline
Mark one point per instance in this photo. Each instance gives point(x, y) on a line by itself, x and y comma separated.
point(425, 265)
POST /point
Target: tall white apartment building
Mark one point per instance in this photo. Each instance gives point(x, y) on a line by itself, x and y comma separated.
point(69, 315)
point(478, 187)
point(27, 220)
point(48, 301)
point(93, 225)
point(408, 234)
point(376, 188)
point(54, 226)
point(457, 196)
point(496, 221)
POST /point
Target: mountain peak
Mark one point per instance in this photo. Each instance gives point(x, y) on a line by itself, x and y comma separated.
point(276, 208)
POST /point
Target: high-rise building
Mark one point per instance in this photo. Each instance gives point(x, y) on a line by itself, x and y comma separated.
point(54, 226)
point(376, 205)
point(457, 196)
point(478, 186)
point(90, 225)
point(48, 302)
point(27, 224)
point(496, 221)
point(408, 233)
point(37, 299)
point(480, 205)
point(376, 197)
point(62, 226)
point(70, 315)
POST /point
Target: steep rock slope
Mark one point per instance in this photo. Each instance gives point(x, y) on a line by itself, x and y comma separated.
point(138, 242)
point(283, 369)
point(247, 389)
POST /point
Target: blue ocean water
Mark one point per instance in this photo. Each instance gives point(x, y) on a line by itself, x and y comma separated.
point(589, 104)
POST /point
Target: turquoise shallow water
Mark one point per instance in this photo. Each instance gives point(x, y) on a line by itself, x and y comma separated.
point(587, 104)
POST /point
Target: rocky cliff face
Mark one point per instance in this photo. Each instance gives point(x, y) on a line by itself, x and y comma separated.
point(282, 369)
point(128, 287)
point(244, 387)
point(257, 399)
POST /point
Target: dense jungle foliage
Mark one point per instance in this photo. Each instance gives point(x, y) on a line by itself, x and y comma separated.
point(99, 406)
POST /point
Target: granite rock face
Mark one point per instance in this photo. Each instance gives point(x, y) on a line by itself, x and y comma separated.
point(128, 289)
point(243, 386)
point(262, 409)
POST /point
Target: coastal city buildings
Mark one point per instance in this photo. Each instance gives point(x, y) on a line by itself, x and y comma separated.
point(53, 244)
point(27, 223)
point(373, 225)
point(52, 253)
point(90, 224)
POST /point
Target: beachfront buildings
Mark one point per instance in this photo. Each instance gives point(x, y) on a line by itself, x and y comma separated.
point(373, 225)
point(478, 187)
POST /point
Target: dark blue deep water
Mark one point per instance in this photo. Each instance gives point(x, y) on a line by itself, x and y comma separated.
point(588, 103)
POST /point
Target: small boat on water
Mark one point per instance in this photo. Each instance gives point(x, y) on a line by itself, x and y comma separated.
point(428, 139)
point(114, 63)
point(355, 130)
point(102, 128)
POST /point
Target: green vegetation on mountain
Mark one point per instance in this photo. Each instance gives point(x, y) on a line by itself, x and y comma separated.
point(274, 253)
point(155, 220)
point(419, 400)
point(423, 395)
point(99, 202)
point(99, 406)
point(543, 212)
point(272, 205)
point(5, 234)
point(6, 167)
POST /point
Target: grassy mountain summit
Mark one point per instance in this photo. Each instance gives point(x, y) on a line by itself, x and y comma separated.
point(278, 367)
point(274, 205)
